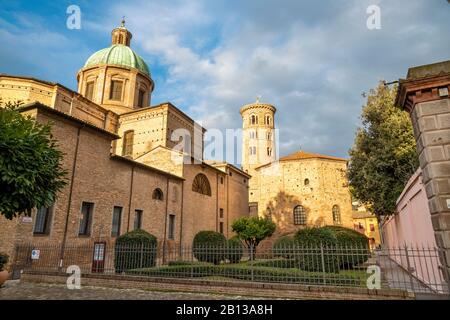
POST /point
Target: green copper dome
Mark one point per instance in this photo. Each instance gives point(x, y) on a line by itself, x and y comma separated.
point(119, 55)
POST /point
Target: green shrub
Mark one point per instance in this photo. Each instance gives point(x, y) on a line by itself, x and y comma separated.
point(316, 250)
point(283, 247)
point(135, 249)
point(235, 250)
point(3, 260)
point(352, 246)
point(276, 263)
point(209, 246)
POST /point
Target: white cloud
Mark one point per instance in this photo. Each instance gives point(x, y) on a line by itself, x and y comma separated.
point(311, 60)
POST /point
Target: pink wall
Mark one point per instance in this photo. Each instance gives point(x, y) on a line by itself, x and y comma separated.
point(412, 222)
point(411, 226)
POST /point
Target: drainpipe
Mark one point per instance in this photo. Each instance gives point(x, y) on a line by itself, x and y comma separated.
point(69, 201)
point(217, 201)
point(130, 198)
point(165, 221)
point(181, 215)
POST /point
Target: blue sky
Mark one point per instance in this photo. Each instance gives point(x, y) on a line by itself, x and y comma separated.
point(311, 59)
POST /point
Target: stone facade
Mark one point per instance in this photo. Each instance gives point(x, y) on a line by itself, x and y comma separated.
point(425, 95)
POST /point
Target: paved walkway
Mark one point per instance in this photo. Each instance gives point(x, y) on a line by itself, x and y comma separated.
point(16, 290)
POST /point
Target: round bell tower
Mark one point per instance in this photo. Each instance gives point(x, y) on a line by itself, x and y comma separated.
point(258, 136)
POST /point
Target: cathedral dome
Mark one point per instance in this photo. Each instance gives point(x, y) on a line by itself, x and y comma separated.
point(118, 55)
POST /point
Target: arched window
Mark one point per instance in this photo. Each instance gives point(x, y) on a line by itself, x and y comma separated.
point(306, 182)
point(253, 119)
point(158, 194)
point(201, 184)
point(269, 135)
point(269, 151)
point(299, 215)
point(336, 215)
point(267, 119)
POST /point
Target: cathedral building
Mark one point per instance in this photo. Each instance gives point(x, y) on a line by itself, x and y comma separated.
point(298, 190)
point(126, 169)
point(133, 165)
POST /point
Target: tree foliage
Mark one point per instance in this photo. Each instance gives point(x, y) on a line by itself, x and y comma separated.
point(30, 163)
point(252, 230)
point(384, 155)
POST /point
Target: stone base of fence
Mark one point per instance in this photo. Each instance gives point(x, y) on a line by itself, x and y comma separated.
point(263, 290)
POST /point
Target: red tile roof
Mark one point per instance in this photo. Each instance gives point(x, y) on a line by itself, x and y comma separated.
point(308, 155)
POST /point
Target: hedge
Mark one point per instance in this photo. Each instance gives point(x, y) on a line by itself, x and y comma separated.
point(208, 246)
point(353, 247)
point(3, 260)
point(283, 246)
point(315, 243)
point(247, 273)
point(276, 263)
point(234, 250)
point(135, 249)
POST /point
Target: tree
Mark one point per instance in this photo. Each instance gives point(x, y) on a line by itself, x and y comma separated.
point(30, 163)
point(252, 230)
point(384, 154)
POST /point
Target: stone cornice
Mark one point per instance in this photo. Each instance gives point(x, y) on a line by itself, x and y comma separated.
point(411, 92)
point(258, 106)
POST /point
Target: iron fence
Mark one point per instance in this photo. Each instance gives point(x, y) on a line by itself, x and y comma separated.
point(414, 269)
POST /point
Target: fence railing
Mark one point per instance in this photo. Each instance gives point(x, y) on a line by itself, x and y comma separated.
point(414, 269)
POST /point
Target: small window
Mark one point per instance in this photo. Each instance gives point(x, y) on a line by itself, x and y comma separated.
point(116, 90)
point(86, 218)
point(221, 213)
point(269, 151)
point(158, 194)
point(141, 96)
point(221, 227)
point(253, 119)
point(42, 224)
point(269, 135)
point(299, 215)
point(171, 235)
point(269, 213)
point(336, 215)
point(116, 221)
point(89, 94)
point(128, 140)
point(137, 219)
point(221, 180)
point(267, 120)
point(306, 182)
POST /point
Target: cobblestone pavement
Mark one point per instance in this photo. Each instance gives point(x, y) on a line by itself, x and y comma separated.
point(16, 290)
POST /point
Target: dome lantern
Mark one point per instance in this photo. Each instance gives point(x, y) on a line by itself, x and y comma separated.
point(121, 35)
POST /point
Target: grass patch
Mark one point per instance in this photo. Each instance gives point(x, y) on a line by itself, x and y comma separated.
point(259, 273)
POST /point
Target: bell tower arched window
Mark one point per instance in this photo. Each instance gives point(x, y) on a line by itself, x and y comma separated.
point(253, 119)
